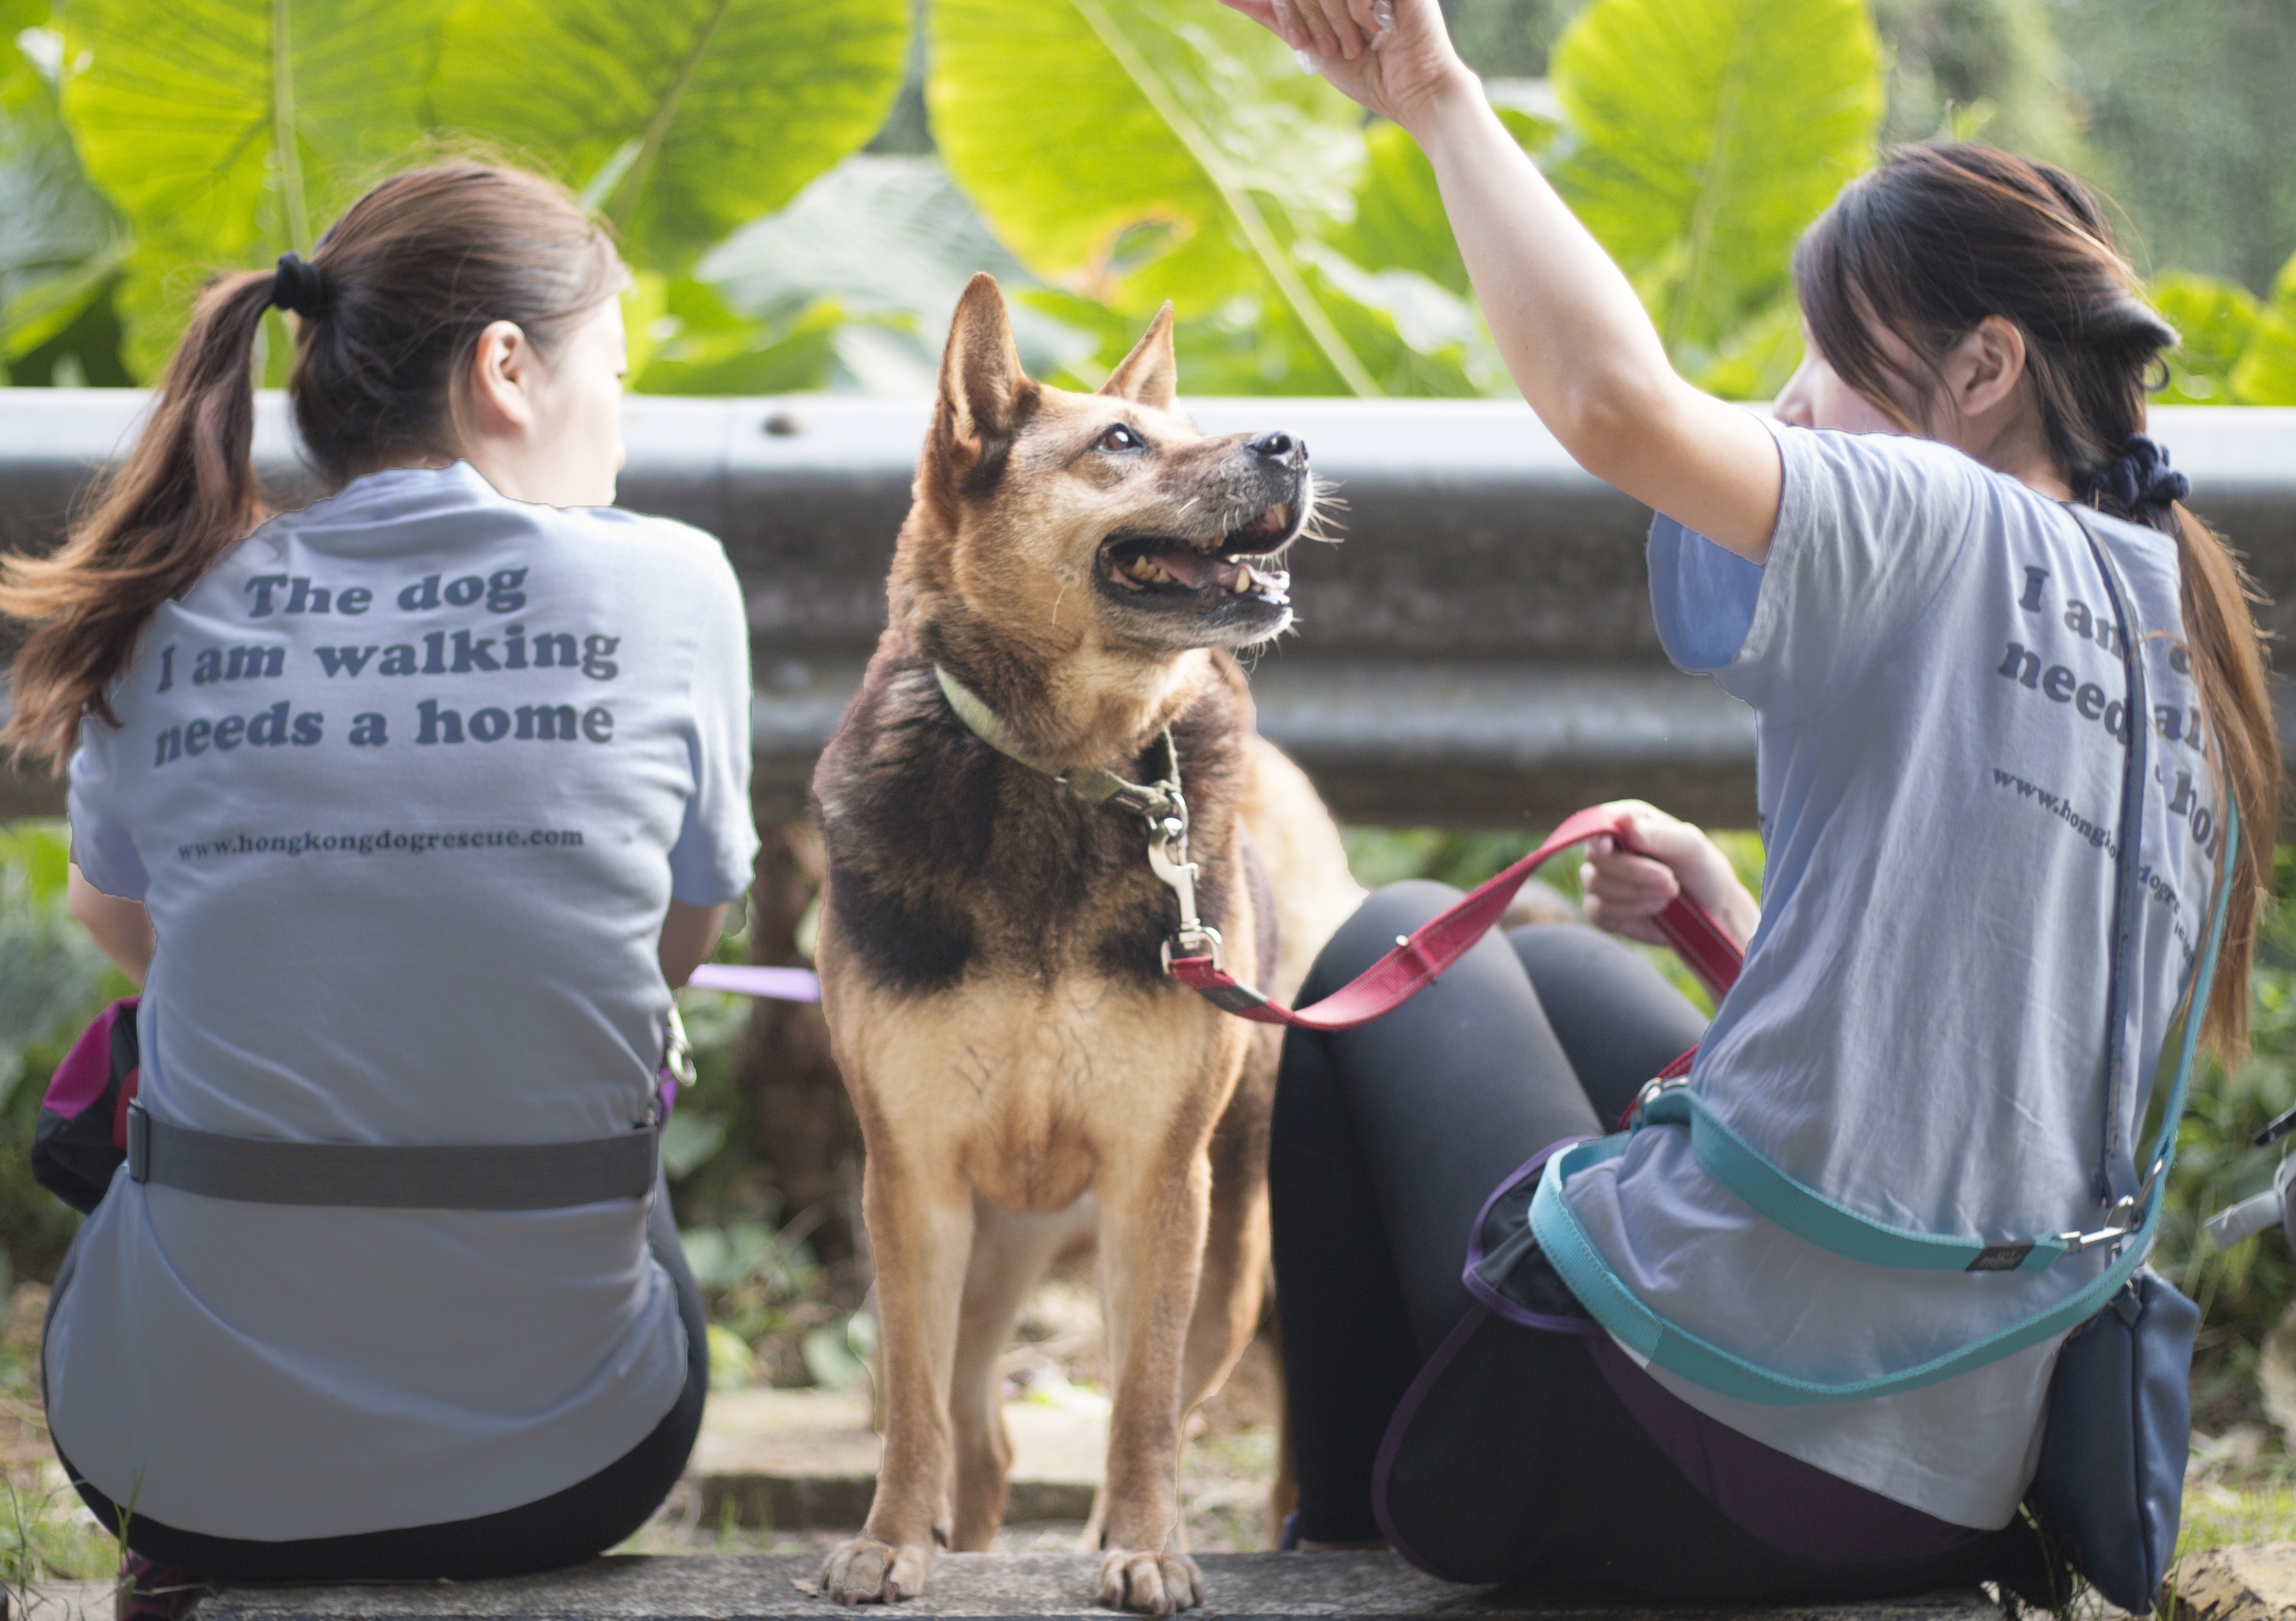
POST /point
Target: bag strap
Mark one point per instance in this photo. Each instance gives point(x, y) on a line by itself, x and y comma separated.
point(2129, 894)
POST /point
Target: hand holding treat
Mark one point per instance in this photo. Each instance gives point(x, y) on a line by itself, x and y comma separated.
point(1394, 56)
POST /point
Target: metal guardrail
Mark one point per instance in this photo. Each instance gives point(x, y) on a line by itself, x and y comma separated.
point(1477, 652)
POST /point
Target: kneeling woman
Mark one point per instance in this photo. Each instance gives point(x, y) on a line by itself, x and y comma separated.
point(407, 810)
point(1891, 576)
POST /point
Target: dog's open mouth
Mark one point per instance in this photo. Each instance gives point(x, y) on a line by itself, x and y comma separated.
point(1239, 564)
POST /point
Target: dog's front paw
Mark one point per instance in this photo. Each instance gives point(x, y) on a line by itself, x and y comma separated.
point(867, 1571)
point(1150, 1584)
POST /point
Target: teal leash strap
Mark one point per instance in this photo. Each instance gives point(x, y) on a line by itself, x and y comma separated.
point(1667, 1344)
point(1808, 1213)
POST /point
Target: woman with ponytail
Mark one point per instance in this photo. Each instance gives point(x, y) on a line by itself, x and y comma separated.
point(1959, 587)
point(406, 811)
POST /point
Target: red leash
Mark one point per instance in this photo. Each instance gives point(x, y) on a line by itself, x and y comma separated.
point(1415, 962)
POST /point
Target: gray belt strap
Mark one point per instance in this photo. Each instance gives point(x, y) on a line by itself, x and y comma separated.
point(391, 1176)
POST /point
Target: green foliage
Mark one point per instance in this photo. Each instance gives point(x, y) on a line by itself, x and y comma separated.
point(1398, 222)
point(877, 250)
point(62, 242)
point(683, 340)
point(52, 982)
point(681, 119)
point(1986, 70)
point(1705, 135)
point(47, 1537)
point(2216, 319)
point(1174, 154)
point(226, 131)
point(1507, 38)
point(2244, 1289)
point(1754, 362)
point(2267, 372)
point(2187, 118)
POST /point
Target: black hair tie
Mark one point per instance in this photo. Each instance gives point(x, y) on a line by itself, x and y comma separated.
point(297, 287)
point(2138, 481)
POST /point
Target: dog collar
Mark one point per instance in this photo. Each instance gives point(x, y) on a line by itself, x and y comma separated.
point(1160, 804)
point(1151, 799)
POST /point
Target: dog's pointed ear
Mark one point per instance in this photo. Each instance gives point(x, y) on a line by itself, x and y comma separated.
point(981, 382)
point(1151, 374)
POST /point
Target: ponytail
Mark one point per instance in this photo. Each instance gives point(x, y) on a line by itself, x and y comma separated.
point(2229, 669)
point(184, 497)
point(391, 309)
point(1944, 234)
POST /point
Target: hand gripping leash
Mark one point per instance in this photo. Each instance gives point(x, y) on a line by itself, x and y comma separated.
point(1193, 953)
point(1418, 958)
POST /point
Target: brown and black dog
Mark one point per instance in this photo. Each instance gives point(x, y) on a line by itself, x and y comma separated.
point(990, 939)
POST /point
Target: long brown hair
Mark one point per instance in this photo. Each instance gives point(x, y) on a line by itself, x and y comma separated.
point(1928, 245)
point(394, 300)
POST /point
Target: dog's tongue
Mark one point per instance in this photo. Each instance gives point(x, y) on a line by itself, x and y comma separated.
point(1193, 569)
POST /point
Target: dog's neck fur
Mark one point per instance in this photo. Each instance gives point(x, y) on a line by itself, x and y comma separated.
point(1065, 696)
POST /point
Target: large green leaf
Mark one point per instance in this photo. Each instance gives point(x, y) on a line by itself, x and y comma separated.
point(1399, 223)
point(1755, 362)
point(683, 118)
point(2267, 372)
point(1133, 151)
point(891, 241)
point(1709, 134)
point(62, 240)
point(228, 131)
point(685, 340)
point(2216, 319)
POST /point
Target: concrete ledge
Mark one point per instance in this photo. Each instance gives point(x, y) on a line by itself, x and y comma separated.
point(807, 1460)
point(1000, 1587)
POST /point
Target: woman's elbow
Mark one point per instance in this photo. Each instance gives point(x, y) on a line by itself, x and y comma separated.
point(1611, 423)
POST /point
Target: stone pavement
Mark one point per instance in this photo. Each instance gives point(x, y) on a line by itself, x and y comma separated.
point(1000, 1587)
point(2250, 1582)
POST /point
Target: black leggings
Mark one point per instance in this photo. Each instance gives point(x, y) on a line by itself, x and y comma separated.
point(1388, 1139)
point(563, 1528)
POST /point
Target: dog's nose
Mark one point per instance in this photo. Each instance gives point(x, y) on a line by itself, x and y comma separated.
point(1278, 447)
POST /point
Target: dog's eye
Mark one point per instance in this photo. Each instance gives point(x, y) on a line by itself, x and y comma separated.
point(1119, 438)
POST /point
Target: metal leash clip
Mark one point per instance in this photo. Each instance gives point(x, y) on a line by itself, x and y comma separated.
point(1651, 1090)
point(676, 1072)
point(1168, 859)
point(2119, 1226)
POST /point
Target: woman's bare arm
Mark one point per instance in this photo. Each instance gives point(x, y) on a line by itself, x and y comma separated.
point(120, 928)
point(1574, 335)
point(689, 934)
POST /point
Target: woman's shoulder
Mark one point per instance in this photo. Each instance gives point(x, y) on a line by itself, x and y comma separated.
point(645, 539)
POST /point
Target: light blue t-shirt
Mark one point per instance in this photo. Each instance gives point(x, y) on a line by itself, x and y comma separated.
point(407, 782)
point(1919, 1029)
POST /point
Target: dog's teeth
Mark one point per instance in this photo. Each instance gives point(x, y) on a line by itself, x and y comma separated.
point(1243, 580)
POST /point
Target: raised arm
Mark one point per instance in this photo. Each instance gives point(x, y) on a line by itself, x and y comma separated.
point(1574, 335)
